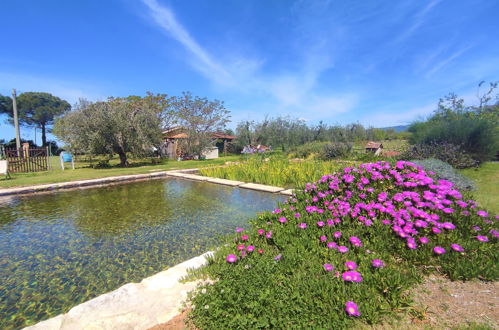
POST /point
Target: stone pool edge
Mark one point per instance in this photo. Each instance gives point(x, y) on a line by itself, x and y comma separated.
point(186, 174)
point(155, 300)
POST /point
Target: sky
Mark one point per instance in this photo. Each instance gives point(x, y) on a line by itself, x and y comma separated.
point(380, 63)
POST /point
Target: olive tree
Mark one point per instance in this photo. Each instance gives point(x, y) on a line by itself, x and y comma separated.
point(199, 117)
point(117, 126)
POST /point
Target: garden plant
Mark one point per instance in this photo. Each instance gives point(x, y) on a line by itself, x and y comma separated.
point(346, 250)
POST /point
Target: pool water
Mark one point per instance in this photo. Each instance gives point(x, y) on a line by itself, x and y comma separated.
point(60, 249)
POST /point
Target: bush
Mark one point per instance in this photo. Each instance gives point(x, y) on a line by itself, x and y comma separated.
point(307, 149)
point(336, 150)
point(102, 164)
point(446, 172)
point(478, 137)
point(446, 152)
point(345, 250)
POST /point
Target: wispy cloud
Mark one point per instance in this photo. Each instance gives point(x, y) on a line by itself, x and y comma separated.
point(293, 91)
point(165, 19)
point(446, 61)
point(418, 21)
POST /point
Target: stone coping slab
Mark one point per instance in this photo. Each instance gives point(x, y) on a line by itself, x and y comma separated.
point(261, 187)
point(287, 192)
point(156, 299)
point(226, 182)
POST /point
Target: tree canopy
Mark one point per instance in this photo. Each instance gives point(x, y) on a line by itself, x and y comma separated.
point(200, 117)
point(35, 109)
point(119, 125)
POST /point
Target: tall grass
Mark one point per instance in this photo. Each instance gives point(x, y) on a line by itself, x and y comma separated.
point(276, 171)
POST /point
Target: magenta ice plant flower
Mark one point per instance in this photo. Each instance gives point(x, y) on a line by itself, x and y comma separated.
point(302, 225)
point(424, 240)
point(337, 234)
point(378, 263)
point(351, 265)
point(332, 245)
point(323, 238)
point(482, 213)
point(282, 219)
point(352, 309)
point(261, 232)
point(328, 267)
point(352, 276)
point(482, 238)
point(342, 249)
point(231, 258)
point(439, 250)
point(239, 229)
point(457, 247)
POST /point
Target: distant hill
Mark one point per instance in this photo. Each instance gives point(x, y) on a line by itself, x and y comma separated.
point(398, 129)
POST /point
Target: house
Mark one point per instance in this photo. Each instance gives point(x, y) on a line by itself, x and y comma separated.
point(374, 147)
point(171, 147)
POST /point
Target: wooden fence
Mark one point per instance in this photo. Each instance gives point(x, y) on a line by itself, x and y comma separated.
point(27, 159)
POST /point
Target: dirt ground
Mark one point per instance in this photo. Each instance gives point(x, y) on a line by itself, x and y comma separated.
point(438, 304)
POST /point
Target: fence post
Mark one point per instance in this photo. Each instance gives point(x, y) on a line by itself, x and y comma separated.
point(48, 158)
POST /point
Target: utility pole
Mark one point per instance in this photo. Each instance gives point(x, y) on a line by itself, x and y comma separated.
point(16, 120)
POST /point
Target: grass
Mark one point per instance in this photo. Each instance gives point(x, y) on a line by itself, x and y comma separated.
point(486, 178)
point(83, 170)
point(277, 171)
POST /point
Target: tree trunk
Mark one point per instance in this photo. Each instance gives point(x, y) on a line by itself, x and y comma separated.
point(123, 160)
point(44, 137)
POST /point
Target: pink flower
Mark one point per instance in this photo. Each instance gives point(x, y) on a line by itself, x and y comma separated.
point(482, 213)
point(302, 225)
point(231, 258)
point(438, 250)
point(482, 238)
point(457, 247)
point(342, 249)
point(260, 251)
point(352, 309)
point(424, 240)
point(269, 234)
point(241, 247)
point(328, 267)
point(352, 276)
point(448, 226)
point(323, 238)
point(320, 224)
point(261, 232)
point(337, 234)
point(351, 265)
point(244, 237)
point(332, 245)
point(238, 229)
point(297, 215)
point(436, 230)
point(378, 263)
point(282, 220)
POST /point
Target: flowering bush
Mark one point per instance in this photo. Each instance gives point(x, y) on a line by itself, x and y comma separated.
point(346, 249)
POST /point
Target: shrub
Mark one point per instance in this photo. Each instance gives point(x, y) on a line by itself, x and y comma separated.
point(307, 149)
point(446, 172)
point(336, 150)
point(478, 137)
point(344, 250)
point(446, 152)
point(102, 164)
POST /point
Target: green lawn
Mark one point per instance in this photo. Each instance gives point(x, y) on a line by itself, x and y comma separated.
point(486, 178)
point(84, 171)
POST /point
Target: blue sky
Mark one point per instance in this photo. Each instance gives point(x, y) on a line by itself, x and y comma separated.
point(380, 63)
